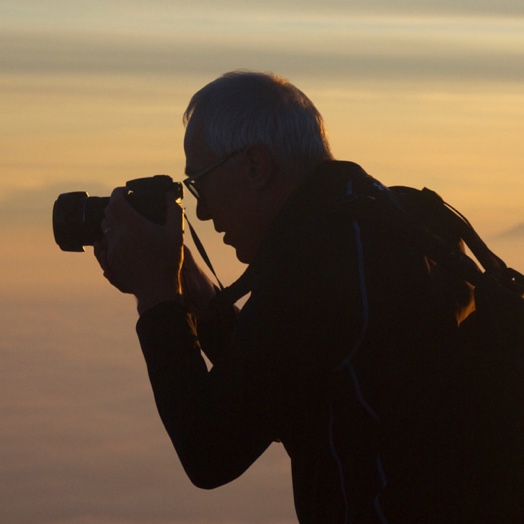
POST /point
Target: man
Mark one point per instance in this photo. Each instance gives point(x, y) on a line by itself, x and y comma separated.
point(344, 349)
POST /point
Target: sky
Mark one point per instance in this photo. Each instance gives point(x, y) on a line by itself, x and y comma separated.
point(419, 93)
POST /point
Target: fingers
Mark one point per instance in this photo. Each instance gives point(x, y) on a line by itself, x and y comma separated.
point(100, 252)
point(118, 208)
point(137, 255)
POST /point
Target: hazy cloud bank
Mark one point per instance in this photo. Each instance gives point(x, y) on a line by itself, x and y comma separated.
point(336, 43)
point(516, 233)
point(34, 206)
point(130, 13)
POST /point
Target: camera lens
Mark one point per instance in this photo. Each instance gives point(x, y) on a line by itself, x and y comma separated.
point(76, 220)
point(77, 217)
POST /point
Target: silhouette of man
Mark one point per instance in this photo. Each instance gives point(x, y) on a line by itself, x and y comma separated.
point(342, 351)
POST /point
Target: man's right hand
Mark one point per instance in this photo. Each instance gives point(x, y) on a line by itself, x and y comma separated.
point(139, 256)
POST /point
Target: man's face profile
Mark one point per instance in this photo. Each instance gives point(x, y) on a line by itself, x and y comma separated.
point(225, 195)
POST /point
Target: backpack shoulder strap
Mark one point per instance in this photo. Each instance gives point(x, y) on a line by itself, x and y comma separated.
point(436, 227)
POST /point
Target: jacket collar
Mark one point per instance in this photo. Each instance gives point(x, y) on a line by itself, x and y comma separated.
point(326, 185)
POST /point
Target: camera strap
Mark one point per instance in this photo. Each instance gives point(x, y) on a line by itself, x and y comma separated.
point(202, 251)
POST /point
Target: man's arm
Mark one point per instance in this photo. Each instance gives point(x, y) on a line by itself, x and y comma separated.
point(216, 320)
point(212, 417)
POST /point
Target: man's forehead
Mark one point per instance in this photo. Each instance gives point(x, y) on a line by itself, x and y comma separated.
point(198, 153)
point(197, 157)
point(192, 149)
point(194, 133)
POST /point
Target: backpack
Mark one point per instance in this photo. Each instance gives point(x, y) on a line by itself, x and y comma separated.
point(491, 339)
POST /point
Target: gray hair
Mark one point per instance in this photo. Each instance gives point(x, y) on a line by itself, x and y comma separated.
point(242, 108)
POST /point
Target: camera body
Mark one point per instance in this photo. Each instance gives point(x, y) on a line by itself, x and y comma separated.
point(77, 217)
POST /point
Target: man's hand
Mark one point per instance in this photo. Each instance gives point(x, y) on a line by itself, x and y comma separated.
point(141, 257)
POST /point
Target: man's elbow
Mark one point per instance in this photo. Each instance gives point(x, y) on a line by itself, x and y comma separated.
point(207, 477)
point(209, 471)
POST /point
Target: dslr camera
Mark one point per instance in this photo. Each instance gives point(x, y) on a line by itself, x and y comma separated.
point(77, 217)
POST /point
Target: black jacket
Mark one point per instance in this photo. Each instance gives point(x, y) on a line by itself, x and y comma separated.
point(344, 352)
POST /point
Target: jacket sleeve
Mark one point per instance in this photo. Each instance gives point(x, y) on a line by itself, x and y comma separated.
point(266, 374)
point(217, 419)
point(215, 329)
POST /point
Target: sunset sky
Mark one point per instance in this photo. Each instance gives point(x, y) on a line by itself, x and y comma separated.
point(419, 93)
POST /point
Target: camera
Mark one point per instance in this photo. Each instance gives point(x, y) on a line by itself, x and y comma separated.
point(77, 217)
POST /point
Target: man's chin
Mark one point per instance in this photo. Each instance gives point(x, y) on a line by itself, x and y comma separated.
point(243, 254)
point(242, 257)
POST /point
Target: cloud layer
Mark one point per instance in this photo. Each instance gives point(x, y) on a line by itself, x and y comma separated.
point(373, 39)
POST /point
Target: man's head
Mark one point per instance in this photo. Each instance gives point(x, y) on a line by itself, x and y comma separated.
point(254, 136)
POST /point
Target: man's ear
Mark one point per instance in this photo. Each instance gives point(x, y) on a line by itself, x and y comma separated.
point(262, 167)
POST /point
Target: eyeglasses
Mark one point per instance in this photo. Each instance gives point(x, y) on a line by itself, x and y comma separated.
point(190, 182)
